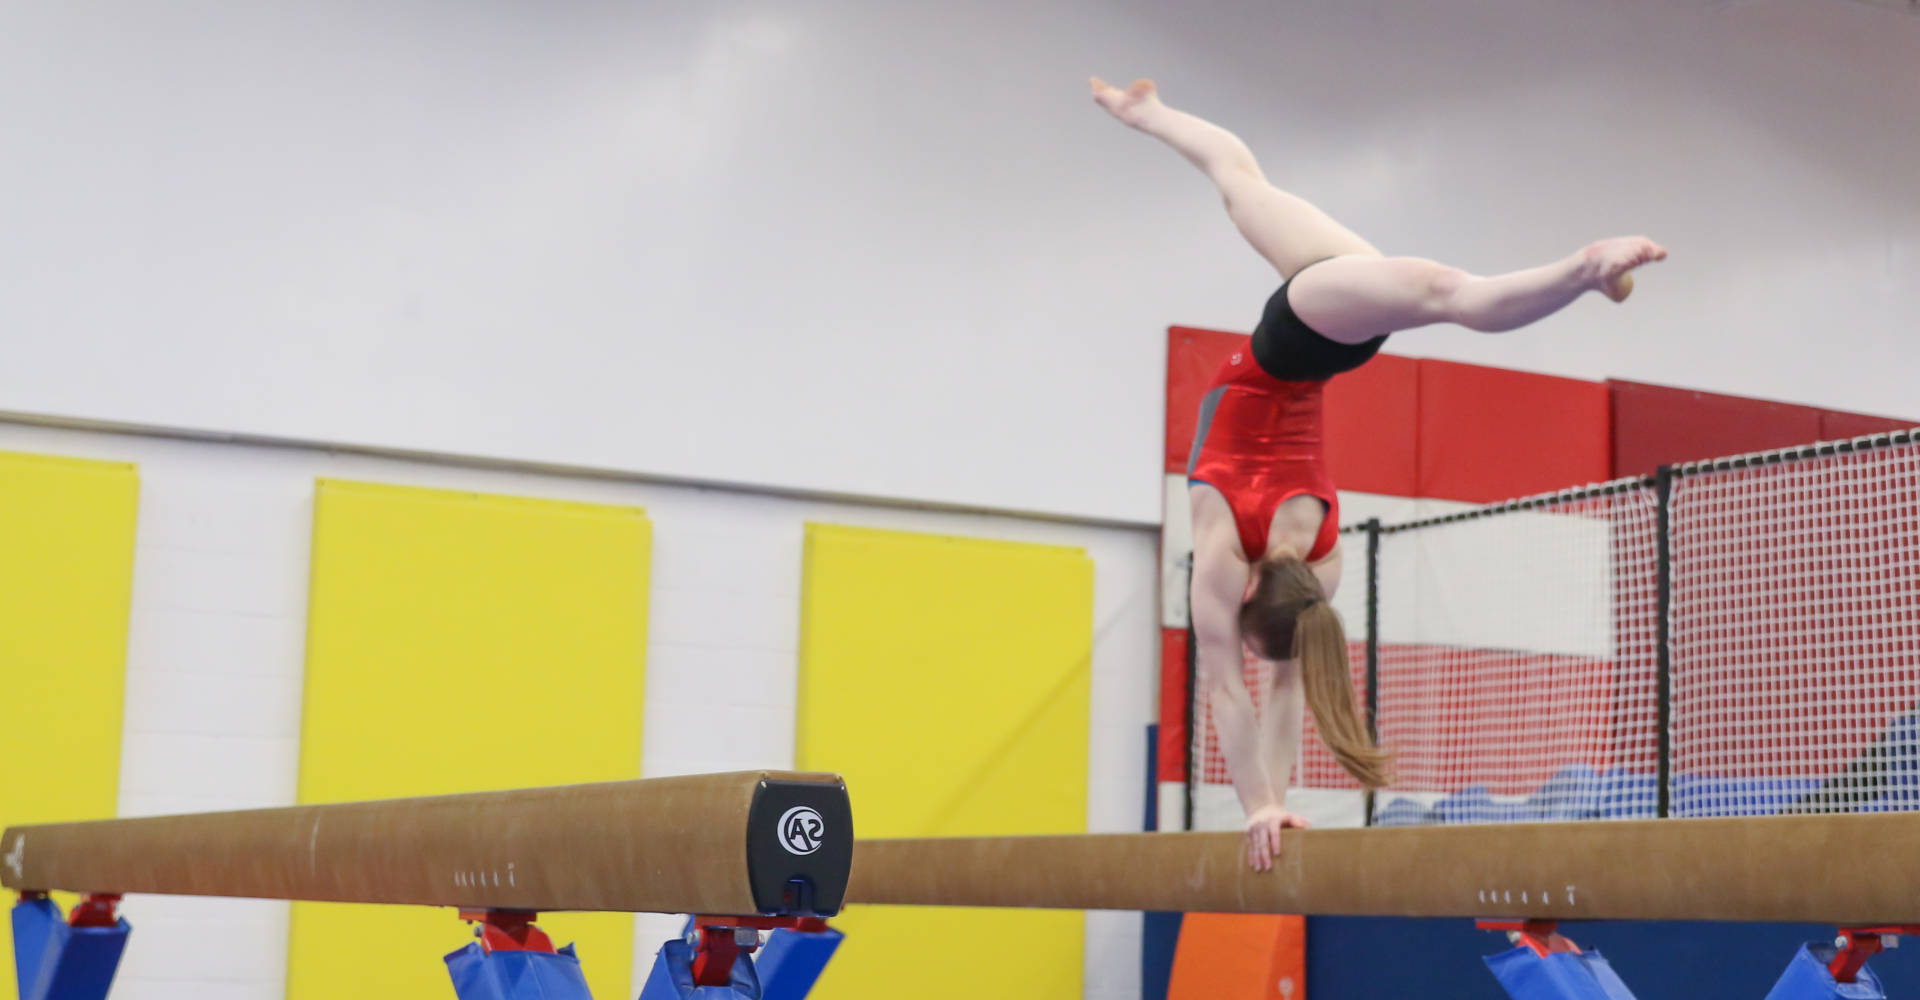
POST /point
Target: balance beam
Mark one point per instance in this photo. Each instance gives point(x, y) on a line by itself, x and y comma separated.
point(1856, 870)
point(731, 844)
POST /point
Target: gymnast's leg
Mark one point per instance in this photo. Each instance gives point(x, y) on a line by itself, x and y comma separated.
point(1354, 299)
point(1362, 295)
point(1286, 229)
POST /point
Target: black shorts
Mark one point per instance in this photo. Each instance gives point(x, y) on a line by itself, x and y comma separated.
point(1285, 347)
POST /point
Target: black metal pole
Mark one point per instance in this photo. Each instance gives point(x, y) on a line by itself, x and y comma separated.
point(1195, 741)
point(1662, 637)
point(1373, 643)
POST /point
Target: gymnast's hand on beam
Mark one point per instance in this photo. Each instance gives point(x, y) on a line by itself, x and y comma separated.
point(1263, 834)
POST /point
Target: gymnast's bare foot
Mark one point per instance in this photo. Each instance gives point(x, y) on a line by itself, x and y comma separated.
point(1131, 105)
point(1609, 263)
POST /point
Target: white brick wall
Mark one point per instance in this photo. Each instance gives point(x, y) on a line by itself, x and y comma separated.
point(218, 641)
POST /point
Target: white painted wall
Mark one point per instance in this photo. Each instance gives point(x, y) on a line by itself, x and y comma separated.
point(889, 249)
point(216, 653)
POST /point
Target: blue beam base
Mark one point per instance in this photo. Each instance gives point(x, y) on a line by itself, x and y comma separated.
point(672, 977)
point(791, 962)
point(517, 975)
point(1807, 978)
point(53, 961)
point(1560, 976)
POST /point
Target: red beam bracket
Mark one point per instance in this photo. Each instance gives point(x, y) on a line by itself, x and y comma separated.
point(718, 942)
point(508, 930)
point(1540, 935)
point(1857, 944)
point(96, 909)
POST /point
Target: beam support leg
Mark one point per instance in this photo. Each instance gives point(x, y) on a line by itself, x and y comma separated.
point(514, 960)
point(714, 961)
point(794, 957)
point(1820, 972)
point(70, 959)
point(1547, 966)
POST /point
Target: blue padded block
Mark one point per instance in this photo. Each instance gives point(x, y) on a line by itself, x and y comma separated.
point(791, 962)
point(517, 975)
point(1573, 793)
point(1474, 804)
point(1697, 794)
point(1468, 805)
point(1516, 812)
point(55, 962)
point(1807, 978)
point(1629, 795)
point(672, 978)
point(1527, 976)
point(1404, 812)
point(1903, 758)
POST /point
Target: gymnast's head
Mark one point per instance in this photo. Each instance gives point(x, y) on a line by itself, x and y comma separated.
point(1285, 616)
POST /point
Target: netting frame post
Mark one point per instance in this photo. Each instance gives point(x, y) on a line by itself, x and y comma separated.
point(1663, 478)
point(1372, 527)
point(1190, 767)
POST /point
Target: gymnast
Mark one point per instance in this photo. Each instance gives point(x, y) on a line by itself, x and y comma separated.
point(1266, 548)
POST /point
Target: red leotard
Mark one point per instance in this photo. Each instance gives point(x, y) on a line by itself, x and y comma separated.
point(1260, 442)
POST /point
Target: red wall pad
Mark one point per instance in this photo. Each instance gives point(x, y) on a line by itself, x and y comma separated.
point(1489, 434)
point(1171, 757)
point(1655, 425)
point(1836, 425)
point(1193, 356)
point(1372, 429)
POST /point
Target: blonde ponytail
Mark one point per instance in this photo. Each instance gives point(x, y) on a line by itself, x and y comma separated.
point(1287, 611)
point(1320, 646)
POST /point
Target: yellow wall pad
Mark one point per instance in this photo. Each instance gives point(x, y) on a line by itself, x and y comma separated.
point(947, 680)
point(462, 642)
point(66, 583)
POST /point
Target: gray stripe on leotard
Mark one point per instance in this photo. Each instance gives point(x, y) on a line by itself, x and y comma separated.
point(1208, 404)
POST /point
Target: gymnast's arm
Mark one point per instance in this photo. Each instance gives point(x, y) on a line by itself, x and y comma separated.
point(1281, 728)
point(1219, 579)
